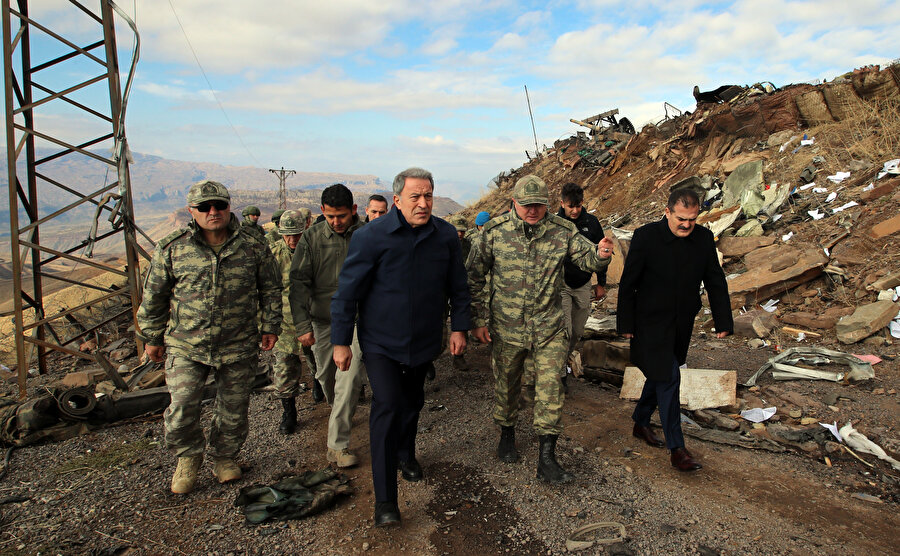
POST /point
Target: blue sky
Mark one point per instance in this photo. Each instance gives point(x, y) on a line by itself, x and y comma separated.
point(364, 87)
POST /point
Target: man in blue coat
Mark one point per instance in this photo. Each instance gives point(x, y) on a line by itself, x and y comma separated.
point(659, 297)
point(400, 271)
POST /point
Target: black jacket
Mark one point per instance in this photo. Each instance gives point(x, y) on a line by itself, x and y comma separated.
point(398, 279)
point(589, 227)
point(659, 294)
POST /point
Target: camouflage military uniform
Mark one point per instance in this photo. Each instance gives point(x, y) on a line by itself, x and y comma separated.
point(515, 278)
point(252, 228)
point(201, 305)
point(272, 236)
point(287, 368)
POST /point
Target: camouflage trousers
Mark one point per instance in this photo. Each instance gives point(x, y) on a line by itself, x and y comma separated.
point(287, 370)
point(228, 427)
point(576, 304)
point(341, 388)
point(544, 360)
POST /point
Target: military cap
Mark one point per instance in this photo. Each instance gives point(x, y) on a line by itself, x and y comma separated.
point(276, 216)
point(291, 223)
point(459, 222)
point(305, 215)
point(531, 190)
point(207, 190)
point(250, 209)
point(482, 218)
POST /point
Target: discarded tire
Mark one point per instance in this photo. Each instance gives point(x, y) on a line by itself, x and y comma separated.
point(76, 403)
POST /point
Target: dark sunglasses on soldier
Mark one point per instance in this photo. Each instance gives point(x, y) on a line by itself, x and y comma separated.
point(206, 205)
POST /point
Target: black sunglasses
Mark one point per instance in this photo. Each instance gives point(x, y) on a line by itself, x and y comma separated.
point(206, 205)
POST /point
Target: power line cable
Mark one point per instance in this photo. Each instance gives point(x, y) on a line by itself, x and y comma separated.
point(211, 89)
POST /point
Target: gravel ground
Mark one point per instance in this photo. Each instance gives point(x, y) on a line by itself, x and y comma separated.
point(107, 492)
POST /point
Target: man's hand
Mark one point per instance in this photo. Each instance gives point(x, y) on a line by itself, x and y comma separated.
point(307, 339)
point(342, 357)
point(155, 353)
point(457, 342)
point(599, 292)
point(721, 335)
point(482, 335)
point(268, 341)
point(605, 248)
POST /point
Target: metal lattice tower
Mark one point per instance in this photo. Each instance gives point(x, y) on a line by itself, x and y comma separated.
point(33, 91)
point(282, 188)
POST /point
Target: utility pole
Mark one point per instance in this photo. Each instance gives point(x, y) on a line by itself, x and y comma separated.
point(282, 190)
point(531, 114)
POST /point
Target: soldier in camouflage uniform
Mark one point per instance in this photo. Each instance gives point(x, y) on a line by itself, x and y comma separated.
point(250, 223)
point(287, 368)
point(272, 236)
point(515, 278)
point(205, 285)
point(314, 280)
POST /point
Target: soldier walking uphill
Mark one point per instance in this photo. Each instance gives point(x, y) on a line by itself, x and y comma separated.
point(515, 278)
point(314, 279)
point(202, 293)
point(287, 368)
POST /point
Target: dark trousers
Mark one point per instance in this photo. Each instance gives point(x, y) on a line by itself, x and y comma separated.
point(398, 395)
point(666, 395)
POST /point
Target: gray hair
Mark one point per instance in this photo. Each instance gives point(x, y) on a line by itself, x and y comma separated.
point(400, 180)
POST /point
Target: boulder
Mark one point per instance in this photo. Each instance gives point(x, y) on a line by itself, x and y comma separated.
point(866, 320)
point(754, 324)
point(886, 228)
point(764, 281)
point(746, 177)
point(740, 246)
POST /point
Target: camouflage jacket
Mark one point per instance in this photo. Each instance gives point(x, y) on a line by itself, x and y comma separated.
point(287, 340)
point(314, 273)
point(272, 236)
point(516, 281)
point(472, 237)
point(253, 229)
point(203, 306)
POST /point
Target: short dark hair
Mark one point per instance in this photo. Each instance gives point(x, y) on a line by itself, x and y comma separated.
point(684, 195)
point(376, 197)
point(337, 196)
point(572, 193)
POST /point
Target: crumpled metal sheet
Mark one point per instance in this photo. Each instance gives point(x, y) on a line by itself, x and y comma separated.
point(859, 369)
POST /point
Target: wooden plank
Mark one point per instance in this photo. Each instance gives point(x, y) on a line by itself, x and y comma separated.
point(700, 388)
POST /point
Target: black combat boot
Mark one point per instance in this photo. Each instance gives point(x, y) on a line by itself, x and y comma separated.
point(548, 469)
point(506, 450)
point(289, 417)
point(565, 384)
point(317, 393)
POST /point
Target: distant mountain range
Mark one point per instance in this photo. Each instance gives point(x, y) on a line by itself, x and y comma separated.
point(159, 187)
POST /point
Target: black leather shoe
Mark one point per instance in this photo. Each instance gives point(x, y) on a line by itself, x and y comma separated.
point(411, 470)
point(317, 393)
point(682, 460)
point(386, 514)
point(646, 434)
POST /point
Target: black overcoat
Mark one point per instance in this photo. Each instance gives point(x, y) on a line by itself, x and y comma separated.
point(659, 294)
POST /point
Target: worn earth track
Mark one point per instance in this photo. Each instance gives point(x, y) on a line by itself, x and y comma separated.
point(108, 493)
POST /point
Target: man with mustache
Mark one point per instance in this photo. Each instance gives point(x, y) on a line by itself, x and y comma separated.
point(659, 297)
point(205, 286)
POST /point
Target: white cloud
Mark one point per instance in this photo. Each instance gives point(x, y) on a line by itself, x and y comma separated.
point(510, 41)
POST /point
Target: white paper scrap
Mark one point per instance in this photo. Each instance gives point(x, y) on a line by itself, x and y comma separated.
point(816, 214)
point(834, 430)
point(895, 328)
point(846, 206)
point(786, 237)
point(776, 218)
point(805, 142)
point(869, 187)
point(839, 177)
point(769, 306)
point(820, 190)
point(807, 186)
point(758, 414)
point(831, 197)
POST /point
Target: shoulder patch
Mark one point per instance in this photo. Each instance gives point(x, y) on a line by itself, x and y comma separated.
point(494, 222)
point(562, 222)
point(164, 242)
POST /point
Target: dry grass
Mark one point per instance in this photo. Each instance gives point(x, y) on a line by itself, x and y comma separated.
point(871, 133)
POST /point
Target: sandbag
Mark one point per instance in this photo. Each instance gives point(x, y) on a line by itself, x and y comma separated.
point(813, 109)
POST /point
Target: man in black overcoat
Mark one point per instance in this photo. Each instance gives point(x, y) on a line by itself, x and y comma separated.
point(659, 297)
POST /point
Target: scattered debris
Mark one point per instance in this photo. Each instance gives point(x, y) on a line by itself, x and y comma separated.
point(700, 388)
point(858, 441)
point(859, 370)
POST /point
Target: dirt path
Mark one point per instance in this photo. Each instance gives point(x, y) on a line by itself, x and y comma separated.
point(109, 490)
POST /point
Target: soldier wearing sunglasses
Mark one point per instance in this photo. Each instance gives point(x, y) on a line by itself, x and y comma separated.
point(205, 286)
